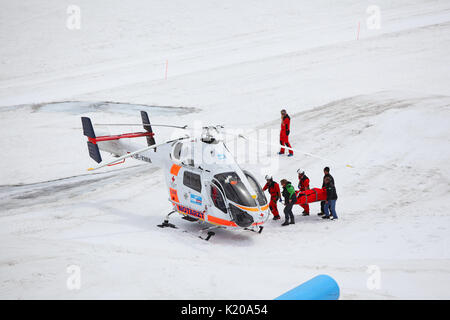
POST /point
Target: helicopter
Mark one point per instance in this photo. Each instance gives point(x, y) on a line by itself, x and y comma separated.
point(205, 183)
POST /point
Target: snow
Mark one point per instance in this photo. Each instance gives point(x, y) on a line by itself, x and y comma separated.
point(380, 104)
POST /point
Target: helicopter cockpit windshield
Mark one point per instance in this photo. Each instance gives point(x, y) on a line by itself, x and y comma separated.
point(260, 196)
point(235, 189)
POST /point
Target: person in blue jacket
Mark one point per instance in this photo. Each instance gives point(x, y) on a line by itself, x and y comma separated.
point(326, 173)
point(330, 204)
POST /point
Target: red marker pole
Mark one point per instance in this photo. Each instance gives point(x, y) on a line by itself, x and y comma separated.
point(167, 67)
point(359, 27)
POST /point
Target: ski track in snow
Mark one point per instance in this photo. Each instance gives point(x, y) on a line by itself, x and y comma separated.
point(20, 196)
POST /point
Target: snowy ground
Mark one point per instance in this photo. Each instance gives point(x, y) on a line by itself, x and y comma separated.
point(380, 103)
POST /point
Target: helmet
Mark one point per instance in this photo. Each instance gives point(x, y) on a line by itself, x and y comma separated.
point(268, 177)
point(301, 171)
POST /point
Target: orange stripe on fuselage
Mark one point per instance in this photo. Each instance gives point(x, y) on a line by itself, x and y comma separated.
point(174, 195)
point(220, 221)
point(248, 208)
point(258, 223)
point(175, 169)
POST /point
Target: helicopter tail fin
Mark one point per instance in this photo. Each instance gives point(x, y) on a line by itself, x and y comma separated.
point(88, 130)
point(93, 140)
point(146, 124)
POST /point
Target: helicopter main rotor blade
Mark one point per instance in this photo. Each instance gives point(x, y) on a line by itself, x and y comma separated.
point(140, 124)
point(288, 148)
point(128, 155)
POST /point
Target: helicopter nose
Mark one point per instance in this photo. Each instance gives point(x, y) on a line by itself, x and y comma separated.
point(263, 213)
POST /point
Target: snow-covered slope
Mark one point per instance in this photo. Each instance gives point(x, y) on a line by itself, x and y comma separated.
point(380, 103)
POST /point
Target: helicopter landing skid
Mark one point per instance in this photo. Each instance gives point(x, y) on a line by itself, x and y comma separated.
point(209, 234)
point(253, 230)
point(166, 223)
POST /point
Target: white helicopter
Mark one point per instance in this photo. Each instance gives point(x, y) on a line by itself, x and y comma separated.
point(204, 182)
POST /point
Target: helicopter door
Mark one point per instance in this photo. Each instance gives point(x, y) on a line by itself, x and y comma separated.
point(218, 198)
point(192, 189)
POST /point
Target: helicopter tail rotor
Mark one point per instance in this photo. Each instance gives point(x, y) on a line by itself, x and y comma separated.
point(147, 126)
point(88, 130)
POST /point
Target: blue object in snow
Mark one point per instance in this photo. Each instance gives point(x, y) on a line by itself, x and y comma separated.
point(321, 287)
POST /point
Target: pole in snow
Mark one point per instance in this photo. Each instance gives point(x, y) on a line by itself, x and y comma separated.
point(167, 67)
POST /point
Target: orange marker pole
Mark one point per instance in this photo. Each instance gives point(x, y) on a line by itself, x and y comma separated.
point(167, 67)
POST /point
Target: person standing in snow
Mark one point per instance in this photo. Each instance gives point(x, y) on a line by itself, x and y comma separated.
point(303, 185)
point(326, 172)
point(330, 204)
point(275, 195)
point(289, 201)
point(284, 133)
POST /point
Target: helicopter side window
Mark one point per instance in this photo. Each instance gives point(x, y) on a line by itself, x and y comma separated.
point(192, 180)
point(177, 151)
point(185, 154)
point(217, 198)
point(262, 200)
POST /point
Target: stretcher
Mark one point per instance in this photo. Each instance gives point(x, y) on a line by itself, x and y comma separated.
point(312, 195)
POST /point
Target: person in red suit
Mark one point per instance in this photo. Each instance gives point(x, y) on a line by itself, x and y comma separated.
point(303, 185)
point(284, 133)
point(275, 195)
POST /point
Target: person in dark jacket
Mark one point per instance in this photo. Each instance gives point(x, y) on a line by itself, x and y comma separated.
point(330, 204)
point(289, 200)
point(284, 132)
point(326, 173)
point(275, 195)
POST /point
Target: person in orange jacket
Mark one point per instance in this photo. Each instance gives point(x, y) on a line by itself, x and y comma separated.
point(275, 195)
point(284, 133)
point(303, 185)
